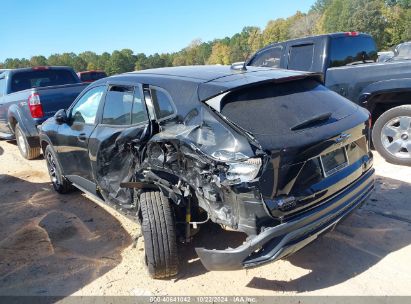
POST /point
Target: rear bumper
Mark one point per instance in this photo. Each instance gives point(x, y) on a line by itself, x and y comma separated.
point(279, 241)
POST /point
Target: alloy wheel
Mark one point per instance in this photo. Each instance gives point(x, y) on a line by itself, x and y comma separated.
point(51, 164)
point(396, 137)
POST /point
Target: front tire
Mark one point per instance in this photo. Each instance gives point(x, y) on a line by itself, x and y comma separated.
point(391, 135)
point(25, 150)
point(159, 232)
point(60, 183)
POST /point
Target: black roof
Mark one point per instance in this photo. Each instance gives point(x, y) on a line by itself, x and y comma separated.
point(207, 73)
point(209, 80)
point(322, 36)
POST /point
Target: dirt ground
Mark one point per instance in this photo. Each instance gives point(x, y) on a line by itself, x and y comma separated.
point(64, 245)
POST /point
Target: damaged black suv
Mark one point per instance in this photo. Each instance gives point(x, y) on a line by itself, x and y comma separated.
point(267, 152)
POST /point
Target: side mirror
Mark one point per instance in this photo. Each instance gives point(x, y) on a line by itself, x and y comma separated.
point(61, 116)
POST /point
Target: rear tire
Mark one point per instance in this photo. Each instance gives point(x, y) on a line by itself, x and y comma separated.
point(159, 232)
point(391, 135)
point(60, 183)
point(25, 150)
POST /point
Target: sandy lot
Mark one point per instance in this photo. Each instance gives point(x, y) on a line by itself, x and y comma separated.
point(64, 245)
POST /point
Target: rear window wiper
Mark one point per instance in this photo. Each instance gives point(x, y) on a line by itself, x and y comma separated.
point(310, 122)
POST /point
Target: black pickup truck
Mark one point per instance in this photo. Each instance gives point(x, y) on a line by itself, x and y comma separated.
point(31, 95)
point(348, 64)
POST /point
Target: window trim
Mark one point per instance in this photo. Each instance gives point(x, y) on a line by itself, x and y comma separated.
point(260, 53)
point(301, 44)
point(155, 104)
point(97, 118)
point(137, 87)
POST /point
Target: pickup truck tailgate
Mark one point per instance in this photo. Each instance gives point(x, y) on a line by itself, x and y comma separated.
point(58, 97)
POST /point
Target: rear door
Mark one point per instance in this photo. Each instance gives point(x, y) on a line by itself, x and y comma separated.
point(73, 138)
point(117, 141)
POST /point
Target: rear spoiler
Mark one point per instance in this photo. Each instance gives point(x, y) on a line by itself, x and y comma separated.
point(230, 83)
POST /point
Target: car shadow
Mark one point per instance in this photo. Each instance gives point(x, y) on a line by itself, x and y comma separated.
point(1, 151)
point(53, 244)
point(380, 227)
point(209, 236)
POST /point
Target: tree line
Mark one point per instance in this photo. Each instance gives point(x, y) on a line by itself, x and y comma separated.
point(388, 21)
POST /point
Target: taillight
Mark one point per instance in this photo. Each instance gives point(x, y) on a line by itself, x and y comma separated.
point(352, 33)
point(35, 106)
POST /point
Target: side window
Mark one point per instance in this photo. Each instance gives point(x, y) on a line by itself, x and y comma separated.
point(117, 108)
point(162, 103)
point(85, 110)
point(301, 57)
point(139, 113)
point(268, 58)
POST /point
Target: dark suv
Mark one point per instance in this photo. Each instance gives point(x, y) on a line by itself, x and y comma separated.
point(271, 153)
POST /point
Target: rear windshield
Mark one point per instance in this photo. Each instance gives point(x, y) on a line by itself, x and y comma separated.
point(41, 78)
point(352, 50)
point(275, 109)
point(92, 76)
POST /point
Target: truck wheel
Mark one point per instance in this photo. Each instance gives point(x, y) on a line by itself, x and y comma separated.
point(60, 183)
point(391, 135)
point(25, 150)
point(159, 232)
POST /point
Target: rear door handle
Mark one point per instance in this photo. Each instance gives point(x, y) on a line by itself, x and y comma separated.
point(82, 137)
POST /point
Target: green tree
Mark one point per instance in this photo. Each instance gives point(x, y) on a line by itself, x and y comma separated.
point(304, 25)
point(275, 31)
point(141, 62)
point(103, 62)
point(369, 18)
point(38, 61)
point(121, 62)
point(90, 59)
point(320, 6)
point(220, 54)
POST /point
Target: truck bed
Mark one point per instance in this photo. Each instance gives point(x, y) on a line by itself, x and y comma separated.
point(352, 81)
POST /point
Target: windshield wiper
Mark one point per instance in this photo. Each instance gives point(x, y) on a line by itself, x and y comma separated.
point(315, 120)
